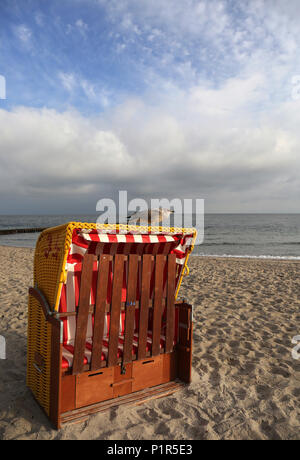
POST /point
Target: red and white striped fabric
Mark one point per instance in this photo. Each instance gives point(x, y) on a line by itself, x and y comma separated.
point(86, 240)
point(68, 349)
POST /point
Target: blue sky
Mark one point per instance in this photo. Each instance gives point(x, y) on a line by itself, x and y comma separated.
point(167, 98)
point(91, 54)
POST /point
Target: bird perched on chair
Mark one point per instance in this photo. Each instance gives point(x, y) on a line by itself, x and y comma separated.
point(150, 216)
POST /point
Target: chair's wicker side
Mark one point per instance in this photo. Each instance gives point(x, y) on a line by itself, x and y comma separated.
point(48, 263)
point(49, 274)
point(38, 342)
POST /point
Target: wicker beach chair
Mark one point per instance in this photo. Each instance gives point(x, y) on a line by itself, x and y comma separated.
point(104, 325)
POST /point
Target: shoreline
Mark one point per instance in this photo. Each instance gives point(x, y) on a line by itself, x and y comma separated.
point(295, 259)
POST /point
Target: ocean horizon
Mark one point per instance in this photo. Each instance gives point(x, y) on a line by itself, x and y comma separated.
point(272, 236)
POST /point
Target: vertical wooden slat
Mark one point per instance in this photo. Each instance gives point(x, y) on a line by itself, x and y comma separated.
point(83, 313)
point(167, 248)
point(99, 248)
point(115, 310)
point(170, 310)
point(157, 308)
point(55, 375)
point(130, 308)
point(144, 305)
point(185, 343)
point(102, 281)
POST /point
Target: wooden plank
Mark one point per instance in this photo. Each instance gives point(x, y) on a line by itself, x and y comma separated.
point(99, 248)
point(144, 305)
point(134, 398)
point(147, 373)
point(93, 387)
point(157, 309)
point(122, 382)
point(130, 308)
point(115, 310)
point(68, 390)
point(83, 312)
point(107, 309)
point(55, 374)
point(167, 248)
point(170, 310)
point(100, 307)
point(170, 366)
point(185, 343)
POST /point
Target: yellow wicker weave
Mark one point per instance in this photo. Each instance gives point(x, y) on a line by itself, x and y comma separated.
point(50, 258)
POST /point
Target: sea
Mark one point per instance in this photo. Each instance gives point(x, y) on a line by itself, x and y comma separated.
point(274, 236)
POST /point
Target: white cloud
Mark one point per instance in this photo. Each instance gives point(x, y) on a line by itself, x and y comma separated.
point(237, 159)
point(81, 26)
point(94, 93)
point(216, 121)
point(68, 80)
point(190, 40)
point(39, 18)
point(23, 33)
point(43, 151)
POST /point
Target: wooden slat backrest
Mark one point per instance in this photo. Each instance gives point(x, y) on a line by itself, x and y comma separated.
point(100, 308)
point(160, 261)
point(164, 266)
point(170, 309)
point(83, 313)
point(130, 307)
point(144, 305)
point(115, 309)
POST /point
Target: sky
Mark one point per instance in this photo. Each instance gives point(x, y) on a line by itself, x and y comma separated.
point(164, 99)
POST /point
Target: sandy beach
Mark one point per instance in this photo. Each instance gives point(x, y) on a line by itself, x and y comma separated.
point(246, 385)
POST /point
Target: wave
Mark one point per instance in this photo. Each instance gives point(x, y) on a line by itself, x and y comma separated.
point(262, 256)
point(227, 243)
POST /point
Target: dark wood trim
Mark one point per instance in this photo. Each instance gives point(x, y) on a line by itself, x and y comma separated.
point(157, 311)
point(99, 319)
point(138, 397)
point(115, 310)
point(170, 310)
point(55, 372)
point(83, 313)
point(144, 310)
point(185, 344)
point(130, 308)
point(107, 309)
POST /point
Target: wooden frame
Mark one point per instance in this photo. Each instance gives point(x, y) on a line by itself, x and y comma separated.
point(136, 376)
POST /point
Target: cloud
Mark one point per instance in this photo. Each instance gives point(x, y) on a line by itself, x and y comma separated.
point(206, 109)
point(56, 152)
point(68, 80)
point(80, 26)
point(39, 18)
point(75, 84)
point(23, 33)
point(184, 145)
point(188, 41)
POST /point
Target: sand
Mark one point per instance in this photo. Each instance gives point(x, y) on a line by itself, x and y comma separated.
point(246, 385)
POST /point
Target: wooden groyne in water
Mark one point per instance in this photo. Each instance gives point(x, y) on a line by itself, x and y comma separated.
point(11, 231)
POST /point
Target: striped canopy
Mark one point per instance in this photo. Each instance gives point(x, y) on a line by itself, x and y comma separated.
point(92, 240)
